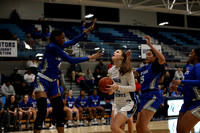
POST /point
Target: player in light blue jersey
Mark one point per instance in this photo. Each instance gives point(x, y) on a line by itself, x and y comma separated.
point(189, 114)
point(149, 77)
point(46, 80)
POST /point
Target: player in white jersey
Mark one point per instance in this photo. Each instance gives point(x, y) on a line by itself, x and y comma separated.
point(124, 105)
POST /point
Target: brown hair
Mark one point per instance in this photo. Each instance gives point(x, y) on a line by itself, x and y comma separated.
point(125, 66)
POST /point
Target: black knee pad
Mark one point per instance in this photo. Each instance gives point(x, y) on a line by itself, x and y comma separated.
point(42, 110)
point(58, 105)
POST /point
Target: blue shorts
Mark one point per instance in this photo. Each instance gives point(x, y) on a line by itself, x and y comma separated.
point(150, 101)
point(194, 108)
point(51, 88)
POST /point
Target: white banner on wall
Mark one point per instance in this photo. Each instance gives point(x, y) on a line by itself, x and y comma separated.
point(8, 48)
point(145, 48)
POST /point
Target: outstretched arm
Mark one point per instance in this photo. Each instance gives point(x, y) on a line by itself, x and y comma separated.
point(78, 38)
point(161, 58)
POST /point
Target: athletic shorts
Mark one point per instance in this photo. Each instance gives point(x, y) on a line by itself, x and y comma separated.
point(150, 101)
point(195, 109)
point(127, 108)
point(51, 88)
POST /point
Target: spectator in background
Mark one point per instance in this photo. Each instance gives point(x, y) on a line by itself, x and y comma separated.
point(25, 110)
point(76, 71)
point(82, 105)
point(178, 74)
point(11, 107)
point(14, 16)
point(166, 82)
point(18, 83)
point(102, 68)
point(14, 37)
point(97, 76)
point(143, 63)
point(46, 35)
point(29, 40)
point(7, 89)
point(44, 25)
point(70, 102)
point(2, 116)
point(83, 24)
point(89, 79)
point(186, 67)
point(37, 34)
point(94, 103)
point(111, 64)
point(29, 79)
point(33, 102)
point(32, 64)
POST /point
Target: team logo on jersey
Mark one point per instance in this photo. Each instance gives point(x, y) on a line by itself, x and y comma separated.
point(117, 80)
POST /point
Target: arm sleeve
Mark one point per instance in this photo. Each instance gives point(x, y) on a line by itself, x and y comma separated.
point(74, 40)
point(59, 52)
point(195, 82)
point(180, 89)
point(131, 83)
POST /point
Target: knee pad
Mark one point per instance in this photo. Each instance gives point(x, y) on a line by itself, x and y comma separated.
point(58, 109)
point(42, 110)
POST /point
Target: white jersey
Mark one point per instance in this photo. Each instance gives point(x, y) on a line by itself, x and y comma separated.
point(126, 85)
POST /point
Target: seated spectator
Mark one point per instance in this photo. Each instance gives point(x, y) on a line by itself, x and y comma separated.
point(29, 40)
point(29, 79)
point(89, 79)
point(2, 116)
point(33, 102)
point(111, 64)
point(46, 35)
point(82, 105)
point(70, 102)
point(68, 112)
point(32, 64)
point(18, 83)
point(176, 94)
point(76, 71)
point(178, 74)
point(37, 34)
point(83, 24)
point(94, 103)
point(97, 76)
point(102, 68)
point(11, 107)
point(186, 67)
point(7, 89)
point(25, 109)
point(166, 82)
point(14, 37)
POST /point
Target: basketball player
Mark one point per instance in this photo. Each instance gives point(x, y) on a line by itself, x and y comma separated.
point(189, 114)
point(46, 80)
point(149, 76)
point(124, 105)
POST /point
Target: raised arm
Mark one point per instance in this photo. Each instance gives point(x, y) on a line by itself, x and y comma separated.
point(161, 58)
point(79, 37)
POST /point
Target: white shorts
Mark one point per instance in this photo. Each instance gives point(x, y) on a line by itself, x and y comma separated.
point(127, 108)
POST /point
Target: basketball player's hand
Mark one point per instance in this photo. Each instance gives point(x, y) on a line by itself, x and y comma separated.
point(95, 56)
point(128, 53)
point(176, 82)
point(113, 87)
point(148, 40)
point(173, 88)
point(87, 31)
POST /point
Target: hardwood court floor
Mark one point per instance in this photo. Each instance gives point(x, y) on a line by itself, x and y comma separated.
point(167, 126)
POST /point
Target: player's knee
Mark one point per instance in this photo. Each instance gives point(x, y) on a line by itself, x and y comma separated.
point(20, 113)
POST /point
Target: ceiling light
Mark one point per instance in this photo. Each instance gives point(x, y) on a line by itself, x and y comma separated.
point(89, 15)
point(164, 23)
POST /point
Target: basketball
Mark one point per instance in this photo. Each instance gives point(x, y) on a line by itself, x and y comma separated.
point(103, 82)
